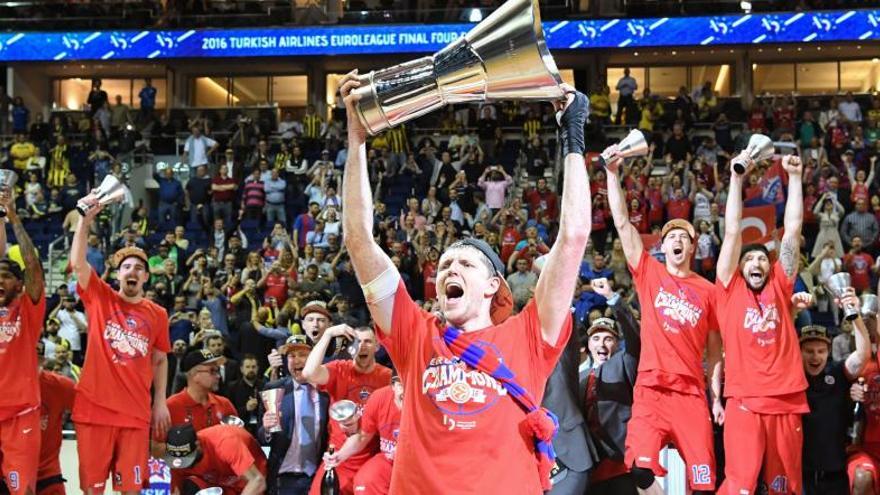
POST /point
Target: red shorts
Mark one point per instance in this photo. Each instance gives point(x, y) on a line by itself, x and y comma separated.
point(345, 472)
point(753, 440)
point(661, 416)
point(374, 477)
point(866, 462)
point(105, 450)
point(20, 451)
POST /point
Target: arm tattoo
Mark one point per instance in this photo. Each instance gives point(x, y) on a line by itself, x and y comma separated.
point(789, 253)
point(33, 268)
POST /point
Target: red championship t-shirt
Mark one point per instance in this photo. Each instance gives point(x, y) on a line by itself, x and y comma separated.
point(859, 267)
point(454, 416)
point(382, 416)
point(114, 388)
point(346, 383)
point(871, 439)
point(20, 325)
point(184, 409)
point(677, 316)
point(58, 392)
point(227, 453)
point(762, 356)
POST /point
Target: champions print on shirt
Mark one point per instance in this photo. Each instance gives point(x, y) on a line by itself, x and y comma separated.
point(762, 323)
point(676, 309)
point(457, 390)
point(9, 330)
point(128, 340)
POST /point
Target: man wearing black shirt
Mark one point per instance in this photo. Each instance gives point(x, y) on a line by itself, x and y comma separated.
point(97, 97)
point(824, 449)
point(198, 193)
point(678, 145)
point(244, 393)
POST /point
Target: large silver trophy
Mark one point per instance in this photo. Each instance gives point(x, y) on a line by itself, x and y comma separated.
point(632, 146)
point(8, 178)
point(868, 305)
point(110, 191)
point(840, 285)
point(343, 410)
point(760, 147)
point(502, 58)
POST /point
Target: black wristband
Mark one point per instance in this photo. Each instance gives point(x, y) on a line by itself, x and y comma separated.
point(572, 124)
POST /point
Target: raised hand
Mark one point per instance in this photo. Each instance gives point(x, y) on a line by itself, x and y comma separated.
point(347, 86)
point(792, 165)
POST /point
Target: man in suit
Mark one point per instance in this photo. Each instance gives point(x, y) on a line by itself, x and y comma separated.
point(575, 454)
point(295, 451)
point(607, 380)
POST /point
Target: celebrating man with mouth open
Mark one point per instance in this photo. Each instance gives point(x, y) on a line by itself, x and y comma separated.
point(129, 342)
point(678, 318)
point(763, 385)
point(472, 422)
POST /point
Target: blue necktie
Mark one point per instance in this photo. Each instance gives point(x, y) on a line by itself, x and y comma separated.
point(305, 431)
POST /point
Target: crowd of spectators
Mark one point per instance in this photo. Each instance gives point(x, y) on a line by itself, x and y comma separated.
point(246, 231)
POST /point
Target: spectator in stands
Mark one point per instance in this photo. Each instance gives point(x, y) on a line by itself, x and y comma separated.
point(97, 97)
point(495, 181)
point(626, 103)
point(197, 149)
point(678, 145)
point(171, 197)
point(59, 163)
point(850, 109)
point(313, 130)
point(120, 115)
point(859, 265)
point(223, 189)
point(304, 224)
point(20, 116)
point(21, 152)
point(859, 223)
point(600, 106)
point(542, 198)
point(147, 96)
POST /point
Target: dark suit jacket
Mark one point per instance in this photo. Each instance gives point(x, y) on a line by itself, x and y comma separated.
point(572, 442)
point(615, 381)
point(279, 442)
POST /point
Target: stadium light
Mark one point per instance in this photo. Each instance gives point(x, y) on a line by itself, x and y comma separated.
point(475, 16)
point(746, 7)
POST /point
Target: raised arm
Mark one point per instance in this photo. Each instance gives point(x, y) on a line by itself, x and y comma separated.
point(790, 247)
point(79, 245)
point(372, 266)
point(560, 274)
point(629, 235)
point(33, 272)
point(728, 256)
point(314, 370)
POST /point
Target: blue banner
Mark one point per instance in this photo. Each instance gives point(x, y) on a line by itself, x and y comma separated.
point(746, 29)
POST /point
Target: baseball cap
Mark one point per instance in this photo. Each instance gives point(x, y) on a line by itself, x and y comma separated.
point(604, 325)
point(677, 223)
point(814, 332)
point(502, 303)
point(12, 267)
point(128, 252)
point(180, 449)
point(201, 356)
point(315, 307)
point(297, 341)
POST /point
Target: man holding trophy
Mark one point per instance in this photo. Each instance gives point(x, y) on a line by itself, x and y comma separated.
point(764, 385)
point(129, 342)
point(476, 373)
point(22, 306)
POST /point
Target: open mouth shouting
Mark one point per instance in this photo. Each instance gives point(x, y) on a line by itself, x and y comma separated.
point(756, 277)
point(454, 292)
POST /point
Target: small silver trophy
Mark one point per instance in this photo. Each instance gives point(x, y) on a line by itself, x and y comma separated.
point(760, 148)
point(110, 191)
point(869, 305)
point(272, 402)
point(840, 285)
point(632, 146)
point(8, 178)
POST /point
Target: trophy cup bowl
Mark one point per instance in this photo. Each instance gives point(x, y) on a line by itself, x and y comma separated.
point(110, 191)
point(504, 57)
point(632, 146)
point(233, 420)
point(343, 410)
point(840, 285)
point(760, 148)
point(869, 305)
point(272, 402)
